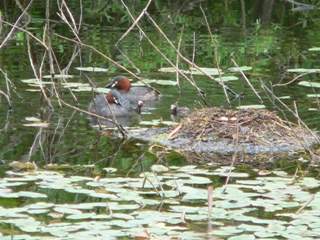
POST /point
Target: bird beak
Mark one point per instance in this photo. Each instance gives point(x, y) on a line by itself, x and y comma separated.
point(116, 100)
point(110, 85)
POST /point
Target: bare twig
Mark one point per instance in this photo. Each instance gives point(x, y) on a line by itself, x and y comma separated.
point(15, 25)
point(268, 91)
point(210, 200)
point(72, 25)
point(214, 45)
point(293, 80)
point(247, 80)
point(135, 21)
point(305, 204)
point(177, 60)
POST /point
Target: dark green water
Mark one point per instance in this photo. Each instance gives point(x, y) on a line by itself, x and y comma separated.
point(270, 44)
point(268, 48)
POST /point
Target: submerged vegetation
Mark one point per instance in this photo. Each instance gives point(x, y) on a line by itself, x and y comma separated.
point(62, 176)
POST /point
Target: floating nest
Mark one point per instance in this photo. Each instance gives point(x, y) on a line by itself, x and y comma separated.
point(251, 133)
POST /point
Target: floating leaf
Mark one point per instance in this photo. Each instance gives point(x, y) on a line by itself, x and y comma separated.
point(33, 90)
point(146, 80)
point(226, 231)
point(209, 71)
point(234, 175)
point(169, 70)
point(166, 82)
point(32, 119)
point(92, 69)
point(110, 170)
point(81, 216)
point(238, 69)
point(313, 95)
point(158, 122)
point(314, 49)
point(285, 97)
point(309, 84)
point(227, 78)
point(59, 76)
point(303, 70)
point(33, 80)
point(66, 210)
point(37, 84)
point(75, 85)
point(159, 168)
point(31, 194)
point(41, 205)
point(264, 172)
point(21, 165)
point(37, 211)
point(37, 124)
point(251, 106)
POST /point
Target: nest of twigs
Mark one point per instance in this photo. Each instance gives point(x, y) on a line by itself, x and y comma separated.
point(256, 126)
point(255, 135)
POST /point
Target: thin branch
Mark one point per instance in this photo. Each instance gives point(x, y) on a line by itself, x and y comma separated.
point(247, 80)
point(135, 21)
point(14, 26)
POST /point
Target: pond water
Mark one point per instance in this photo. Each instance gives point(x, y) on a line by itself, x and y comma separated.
point(83, 182)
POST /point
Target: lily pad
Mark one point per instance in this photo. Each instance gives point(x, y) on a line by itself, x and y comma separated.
point(37, 124)
point(209, 71)
point(309, 84)
point(92, 69)
point(75, 85)
point(31, 194)
point(21, 165)
point(166, 82)
point(314, 49)
point(251, 106)
point(313, 95)
point(32, 119)
point(59, 76)
point(227, 78)
point(238, 69)
point(303, 70)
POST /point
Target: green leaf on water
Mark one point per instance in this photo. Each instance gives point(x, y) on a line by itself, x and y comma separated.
point(314, 49)
point(37, 124)
point(92, 69)
point(31, 194)
point(238, 69)
point(251, 106)
point(21, 165)
point(309, 84)
point(166, 82)
point(32, 119)
point(59, 76)
point(75, 84)
point(209, 71)
point(303, 70)
point(227, 78)
point(285, 97)
point(313, 95)
point(110, 169)
point(159, 168)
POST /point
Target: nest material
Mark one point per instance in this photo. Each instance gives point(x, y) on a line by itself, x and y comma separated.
point(244, 126)
point(256, 135)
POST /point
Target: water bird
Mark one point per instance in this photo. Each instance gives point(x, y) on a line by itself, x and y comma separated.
point(119, 105)
point(133, 94)
point(179, 111)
